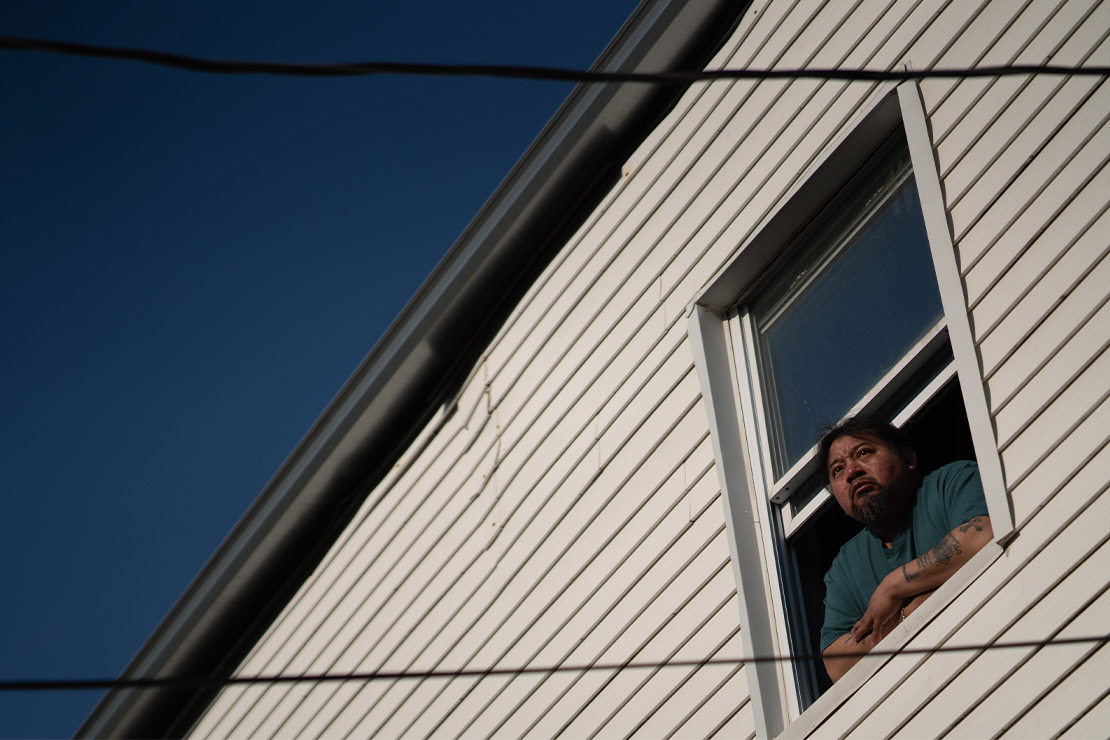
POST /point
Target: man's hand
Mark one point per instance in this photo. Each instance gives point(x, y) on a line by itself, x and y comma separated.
point(846, 651)
point(883, 612)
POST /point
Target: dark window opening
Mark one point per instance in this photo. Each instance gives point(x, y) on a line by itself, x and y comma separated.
point(940, 434)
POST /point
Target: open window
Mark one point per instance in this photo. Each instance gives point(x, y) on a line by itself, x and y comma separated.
point(847, 300)
point(847, 319)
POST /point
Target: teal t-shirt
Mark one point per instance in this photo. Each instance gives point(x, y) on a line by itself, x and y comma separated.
point(946, 498)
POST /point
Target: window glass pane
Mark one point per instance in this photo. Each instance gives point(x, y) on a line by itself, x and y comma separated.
point(863, 294)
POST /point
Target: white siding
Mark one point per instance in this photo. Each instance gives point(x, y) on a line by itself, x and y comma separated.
point(1092, 723)
point(1026, 188)
point(568, 514)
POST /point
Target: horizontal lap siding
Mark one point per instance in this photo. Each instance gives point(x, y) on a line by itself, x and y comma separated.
point(1092, 723)
point(568, 513)
point(1023, 164)
point(1038, 286)
point(999, 684)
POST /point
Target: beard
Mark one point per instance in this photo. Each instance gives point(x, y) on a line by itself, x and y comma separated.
point(874, 509)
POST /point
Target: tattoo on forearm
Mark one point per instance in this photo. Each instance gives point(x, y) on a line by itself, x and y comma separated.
point(940, 555)
point(975, 522)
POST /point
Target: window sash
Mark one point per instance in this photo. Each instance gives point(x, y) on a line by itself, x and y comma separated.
point(779, 522)
point(792, 521)
point(778, 492)
point(781, 489)
point(871, 230)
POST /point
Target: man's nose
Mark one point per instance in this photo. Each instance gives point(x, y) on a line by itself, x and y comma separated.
point(852, 469)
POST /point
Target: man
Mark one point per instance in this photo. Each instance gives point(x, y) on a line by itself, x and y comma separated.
point(918, 530)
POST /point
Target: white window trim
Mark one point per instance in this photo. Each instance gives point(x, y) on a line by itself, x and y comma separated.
point(747, 516)
point(953, 299)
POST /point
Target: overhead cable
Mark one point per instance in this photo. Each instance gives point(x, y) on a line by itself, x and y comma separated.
point(217, 682)
point(217, 66)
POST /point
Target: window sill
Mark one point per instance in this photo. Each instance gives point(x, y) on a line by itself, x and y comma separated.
point(861, 673)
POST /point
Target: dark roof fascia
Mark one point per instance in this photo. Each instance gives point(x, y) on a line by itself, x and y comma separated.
point(414, 369)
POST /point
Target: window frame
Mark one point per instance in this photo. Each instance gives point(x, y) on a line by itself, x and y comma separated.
point(723, 370)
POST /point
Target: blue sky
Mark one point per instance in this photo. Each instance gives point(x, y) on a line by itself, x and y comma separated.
point(194, 264)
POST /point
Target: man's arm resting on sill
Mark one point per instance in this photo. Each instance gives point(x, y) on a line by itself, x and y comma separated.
point(852, 651)
point(905, 588)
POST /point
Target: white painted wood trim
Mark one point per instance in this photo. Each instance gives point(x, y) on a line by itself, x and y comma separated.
point(713, 360)
point(754, 420)
point(952, 297)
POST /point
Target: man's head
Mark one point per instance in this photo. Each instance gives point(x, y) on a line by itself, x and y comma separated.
point(870, 469)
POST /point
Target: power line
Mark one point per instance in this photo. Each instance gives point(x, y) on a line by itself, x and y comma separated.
point(217, 66)
point(214, 66)
point(217, 682)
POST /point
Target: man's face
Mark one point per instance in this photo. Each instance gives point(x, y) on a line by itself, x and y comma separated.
point(869, 479)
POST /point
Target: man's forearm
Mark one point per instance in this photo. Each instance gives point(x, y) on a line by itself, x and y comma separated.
point(922, 575)
point(842, 655)
point(845, 652)
point(946, 557)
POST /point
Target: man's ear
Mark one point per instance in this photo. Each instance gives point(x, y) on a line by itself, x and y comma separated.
point(910, 457)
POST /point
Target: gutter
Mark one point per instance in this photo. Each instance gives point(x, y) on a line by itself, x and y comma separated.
point(414, 370)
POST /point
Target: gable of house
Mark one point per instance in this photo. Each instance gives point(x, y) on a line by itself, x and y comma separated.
point(565, 512)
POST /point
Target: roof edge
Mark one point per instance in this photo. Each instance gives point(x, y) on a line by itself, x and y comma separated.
point(415, 367)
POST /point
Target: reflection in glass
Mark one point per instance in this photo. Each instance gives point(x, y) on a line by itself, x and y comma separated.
point(860, 294)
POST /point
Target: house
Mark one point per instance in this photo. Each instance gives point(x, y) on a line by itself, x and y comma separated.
point(582, 448)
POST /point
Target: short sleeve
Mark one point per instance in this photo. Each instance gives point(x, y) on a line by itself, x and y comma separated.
point(962, 492)
point(841, 613)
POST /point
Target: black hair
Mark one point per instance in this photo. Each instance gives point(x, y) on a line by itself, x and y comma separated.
point(868, 427)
